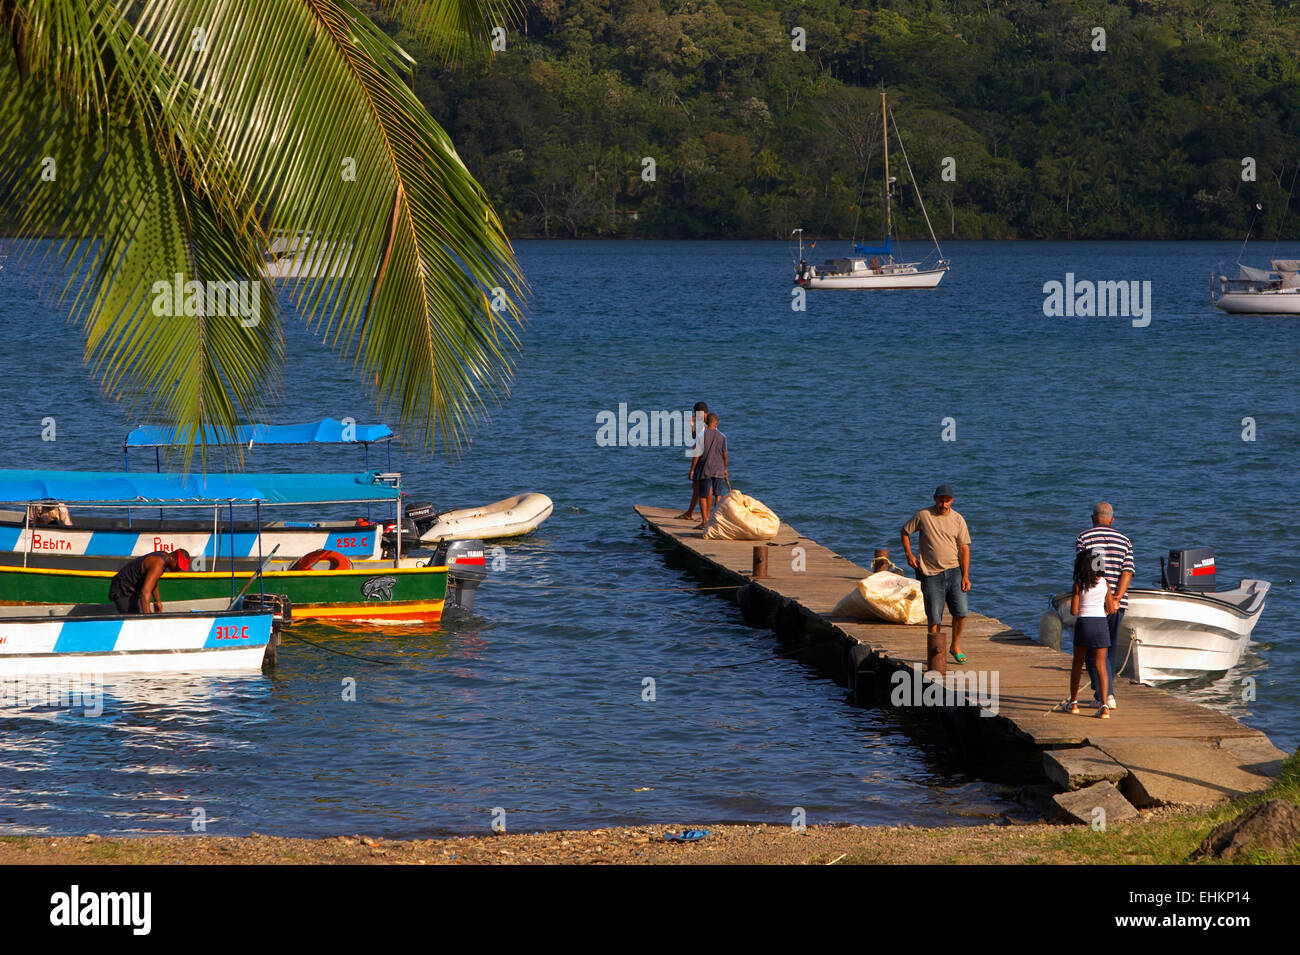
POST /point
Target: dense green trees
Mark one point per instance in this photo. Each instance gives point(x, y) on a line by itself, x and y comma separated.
point(1051, 137)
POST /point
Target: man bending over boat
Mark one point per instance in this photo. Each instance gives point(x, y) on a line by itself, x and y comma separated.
point(134, 588)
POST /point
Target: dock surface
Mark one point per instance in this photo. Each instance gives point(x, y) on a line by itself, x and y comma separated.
point(1166, 735)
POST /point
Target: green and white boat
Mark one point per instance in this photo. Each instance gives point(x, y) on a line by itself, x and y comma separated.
point(405, 590)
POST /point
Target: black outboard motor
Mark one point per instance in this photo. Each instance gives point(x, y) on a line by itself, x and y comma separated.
point(466, 563)
point(422, 514)
point(279, 604)
point(1192, 568)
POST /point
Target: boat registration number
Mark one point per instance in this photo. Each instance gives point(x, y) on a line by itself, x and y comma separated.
point(232, 633)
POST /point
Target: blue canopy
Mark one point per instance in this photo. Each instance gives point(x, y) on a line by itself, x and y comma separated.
point(887, 249)
point(325, 431)
point(123, 487)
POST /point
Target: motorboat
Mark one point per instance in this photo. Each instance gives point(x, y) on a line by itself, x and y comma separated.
point(323, 583)
point(875, 268)
point(1181, 630)
point(95, 639)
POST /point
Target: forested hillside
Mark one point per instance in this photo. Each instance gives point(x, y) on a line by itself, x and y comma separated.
point(1050, 136)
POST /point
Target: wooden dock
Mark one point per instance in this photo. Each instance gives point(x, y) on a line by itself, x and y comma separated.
point(1158, 748)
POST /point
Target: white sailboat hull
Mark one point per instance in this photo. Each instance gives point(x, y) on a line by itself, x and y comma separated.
point(1179, 635)
point(870, 279)
point(1270, 302)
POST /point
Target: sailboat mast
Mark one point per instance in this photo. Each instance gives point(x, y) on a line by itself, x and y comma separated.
point(884, 136)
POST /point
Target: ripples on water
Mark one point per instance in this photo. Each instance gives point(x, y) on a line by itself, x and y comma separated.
point(535, 704)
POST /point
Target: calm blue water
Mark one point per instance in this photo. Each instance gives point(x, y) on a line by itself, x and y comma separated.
point(834, 418)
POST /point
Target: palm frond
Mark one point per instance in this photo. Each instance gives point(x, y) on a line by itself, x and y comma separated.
point(190, 132)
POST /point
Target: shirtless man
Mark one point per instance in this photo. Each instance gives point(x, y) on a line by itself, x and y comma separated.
point(134, 588)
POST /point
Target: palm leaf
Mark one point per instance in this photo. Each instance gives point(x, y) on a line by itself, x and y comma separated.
point(193, 132)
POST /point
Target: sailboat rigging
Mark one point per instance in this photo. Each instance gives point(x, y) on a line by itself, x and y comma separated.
point(880, 270)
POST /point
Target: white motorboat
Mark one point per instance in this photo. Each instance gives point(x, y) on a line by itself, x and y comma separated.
point(1174, 633)
point(875, 268)
point(1271, 291)
point(511, 517)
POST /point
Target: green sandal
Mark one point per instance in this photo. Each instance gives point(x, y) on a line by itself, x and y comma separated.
point(959, 657)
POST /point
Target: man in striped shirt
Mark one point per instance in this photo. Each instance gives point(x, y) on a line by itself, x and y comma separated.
point(1119, 572)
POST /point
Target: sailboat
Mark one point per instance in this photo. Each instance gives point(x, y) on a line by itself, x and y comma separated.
point(875, 268)
point(1255, 291)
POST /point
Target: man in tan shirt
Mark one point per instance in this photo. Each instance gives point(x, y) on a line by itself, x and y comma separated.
point(944, 571)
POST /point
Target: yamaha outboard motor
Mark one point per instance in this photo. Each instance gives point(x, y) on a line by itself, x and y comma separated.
point(466, 563)
point(1192, 568)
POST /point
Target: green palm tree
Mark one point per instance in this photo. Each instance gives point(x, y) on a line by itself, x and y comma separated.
point(167, 142)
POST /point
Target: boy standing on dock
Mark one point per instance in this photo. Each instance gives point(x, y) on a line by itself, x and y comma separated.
point(697, 415)
point(943, 568)
point(711, 467)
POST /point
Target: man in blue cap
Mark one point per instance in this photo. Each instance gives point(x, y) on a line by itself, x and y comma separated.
point(943, 567)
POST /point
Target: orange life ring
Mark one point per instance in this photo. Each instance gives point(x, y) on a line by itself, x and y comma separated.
point(337, 560)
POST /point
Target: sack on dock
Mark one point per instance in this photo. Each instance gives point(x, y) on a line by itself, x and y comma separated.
point(884, 596)
point(739, 517)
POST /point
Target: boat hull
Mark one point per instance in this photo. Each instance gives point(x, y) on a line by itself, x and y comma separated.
point(103, 538)
point(513, 517)
point(1276, 302)
point(927, 278)
point(1168, 635)
point(103, 642)
point(370, 593)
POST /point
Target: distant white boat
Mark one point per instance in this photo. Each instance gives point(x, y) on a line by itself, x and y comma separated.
point(1271, 291)
point(1175, 634)
point(299, 257)
point(875, 268)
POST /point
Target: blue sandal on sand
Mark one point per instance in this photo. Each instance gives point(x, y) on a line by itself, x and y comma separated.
point(687, 835)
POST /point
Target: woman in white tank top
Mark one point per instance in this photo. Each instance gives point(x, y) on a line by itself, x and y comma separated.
point(1091, 602)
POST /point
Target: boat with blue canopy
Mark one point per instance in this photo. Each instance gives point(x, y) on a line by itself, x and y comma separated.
point(425, 524)
point(58, 547)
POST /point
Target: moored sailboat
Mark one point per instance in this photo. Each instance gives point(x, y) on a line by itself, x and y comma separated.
point(876, 268)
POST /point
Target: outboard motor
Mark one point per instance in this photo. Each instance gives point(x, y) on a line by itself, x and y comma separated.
point(422, 515)
point(279, 604)
point(466, 563)
point(1192, 568)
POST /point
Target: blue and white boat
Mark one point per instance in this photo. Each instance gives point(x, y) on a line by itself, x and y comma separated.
point(94, 638)
point(47, 529)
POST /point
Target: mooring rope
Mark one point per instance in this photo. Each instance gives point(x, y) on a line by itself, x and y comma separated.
point(637, 590)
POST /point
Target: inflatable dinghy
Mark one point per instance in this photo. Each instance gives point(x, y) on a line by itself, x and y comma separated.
point(509, 518)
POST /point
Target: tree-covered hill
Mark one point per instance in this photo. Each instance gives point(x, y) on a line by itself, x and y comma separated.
point(1051, 137)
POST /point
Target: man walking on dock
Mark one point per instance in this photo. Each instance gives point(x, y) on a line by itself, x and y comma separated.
point(943, 567)
point(1118, 570)
point(711, 467)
